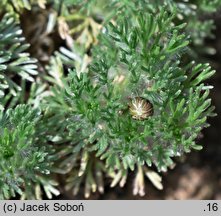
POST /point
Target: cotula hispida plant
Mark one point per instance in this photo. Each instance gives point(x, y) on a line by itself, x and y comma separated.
point(122, 96)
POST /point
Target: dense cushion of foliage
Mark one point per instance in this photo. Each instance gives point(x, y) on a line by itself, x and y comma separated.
point(113, 88)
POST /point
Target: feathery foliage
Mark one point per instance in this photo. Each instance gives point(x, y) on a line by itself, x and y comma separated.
point(134, 59)
point(14, 61)
point(121, 95)
point(23, 164)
